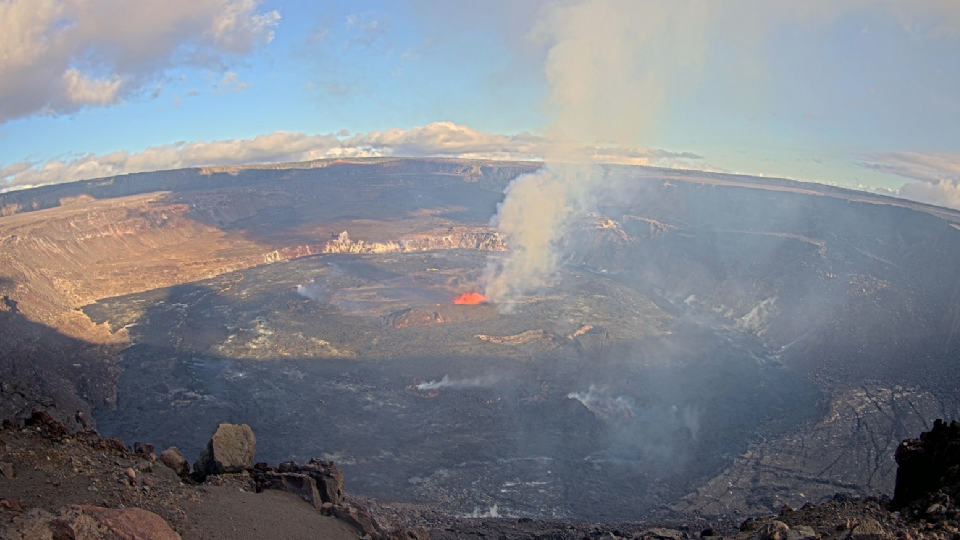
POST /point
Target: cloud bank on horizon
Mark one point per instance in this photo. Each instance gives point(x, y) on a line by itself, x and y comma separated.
point(439, 139)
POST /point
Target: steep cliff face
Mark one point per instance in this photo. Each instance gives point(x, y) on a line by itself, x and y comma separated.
point(477, 238)
point(58, 260)
point(54, 261)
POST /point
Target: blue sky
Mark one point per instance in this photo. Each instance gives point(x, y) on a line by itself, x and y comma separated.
point(851, 92)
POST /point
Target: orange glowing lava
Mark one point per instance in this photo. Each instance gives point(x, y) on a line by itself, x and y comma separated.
point(470, 298)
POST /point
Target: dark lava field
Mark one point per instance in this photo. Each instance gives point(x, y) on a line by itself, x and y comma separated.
point(554, 427)
point(711, 344)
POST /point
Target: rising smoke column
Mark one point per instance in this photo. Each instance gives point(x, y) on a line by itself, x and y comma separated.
point(605, 89)
point(532, 219)
point(447, 382)
point(611, 64)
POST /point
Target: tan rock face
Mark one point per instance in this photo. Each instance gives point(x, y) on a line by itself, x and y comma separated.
point(230, 450)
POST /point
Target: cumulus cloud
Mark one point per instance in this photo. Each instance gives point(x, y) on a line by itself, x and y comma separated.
point(439, 139)
point(59, 56)
point(937, 175)
point(231, 83)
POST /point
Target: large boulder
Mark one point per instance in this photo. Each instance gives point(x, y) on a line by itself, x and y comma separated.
point(172, 458)
point(774, 530)
point(131, 523)
point(324, 476)
point(357, 517)
point(230, 450)
point(79, 522)
point(329, 479)
point(928, 466)
point(868, 529)
point(300, 485)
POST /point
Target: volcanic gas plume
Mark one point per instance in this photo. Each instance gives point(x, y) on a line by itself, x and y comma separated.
point(471, 298)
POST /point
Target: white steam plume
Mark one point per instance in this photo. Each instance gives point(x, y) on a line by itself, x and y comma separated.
point(604, 90)
point(447, 382)
point(532, 219)
point(611, 64)
point(603, 405)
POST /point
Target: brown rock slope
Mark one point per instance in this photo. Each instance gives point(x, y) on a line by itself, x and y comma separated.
point(79, 486)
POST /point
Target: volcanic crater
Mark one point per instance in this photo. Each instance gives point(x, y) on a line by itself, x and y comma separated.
point(709, 344)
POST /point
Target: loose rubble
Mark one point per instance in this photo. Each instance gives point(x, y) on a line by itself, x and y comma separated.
point(80, 486)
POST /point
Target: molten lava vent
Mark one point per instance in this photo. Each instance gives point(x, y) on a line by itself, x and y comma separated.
point(470, 298)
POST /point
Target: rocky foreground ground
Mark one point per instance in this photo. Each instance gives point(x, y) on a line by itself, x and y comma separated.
point(61, 485)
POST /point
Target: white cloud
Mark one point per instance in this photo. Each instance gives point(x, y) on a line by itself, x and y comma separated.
point(442, 139)
point(82, 90)
point(231, 83)
point(58, 56)
point(239, 27)
point(941, 194)
point(938, 175)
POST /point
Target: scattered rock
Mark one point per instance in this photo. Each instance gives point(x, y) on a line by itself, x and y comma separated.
point(801, 532)
point(662, 534)
point(145, 450)
point(80, 419)
point(11, 505)
point(6, 469)
point(230, 450)
point(774, 530)
point(935, 509)
point(131, 475)
point(868, 529)
point(172, 458)
point(71, 524)
point(47, 425)
point(356, 517)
